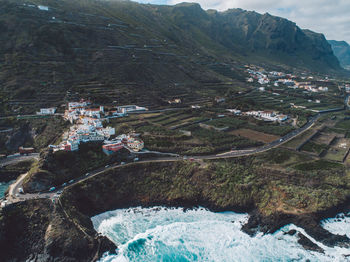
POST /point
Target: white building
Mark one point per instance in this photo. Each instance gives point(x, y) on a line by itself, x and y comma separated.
point(43, 8)
point(74, 145)
point(71, 116)
point(47, 111)
point(323, 89)
point(106, 132)
point(93, 112)
point(94, 136)
point(267, 114)
point(109, 131)
point(135, 144)
point(235, 111)
point(81, 104)
point(253, 113)
point(91, 121)
point(97, 123)
point(85, 129)
point(130, 108)
point(263, 81)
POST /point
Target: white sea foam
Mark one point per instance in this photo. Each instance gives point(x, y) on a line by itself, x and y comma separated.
point(163, 234)
point(339, 225)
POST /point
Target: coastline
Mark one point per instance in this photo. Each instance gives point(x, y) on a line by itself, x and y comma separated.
point(179, 184)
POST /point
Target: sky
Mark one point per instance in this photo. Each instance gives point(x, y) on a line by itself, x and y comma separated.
point(330, 17)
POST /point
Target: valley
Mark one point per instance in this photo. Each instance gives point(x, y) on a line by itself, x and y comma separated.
point(109, 105)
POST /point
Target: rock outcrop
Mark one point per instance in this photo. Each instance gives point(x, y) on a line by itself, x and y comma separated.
point(39, 230)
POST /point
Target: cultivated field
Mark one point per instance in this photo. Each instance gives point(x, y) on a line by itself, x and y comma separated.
point(255, 135)
point(338, 149)
point(324, 138)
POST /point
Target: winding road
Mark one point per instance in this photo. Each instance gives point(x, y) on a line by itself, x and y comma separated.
point(14, 195)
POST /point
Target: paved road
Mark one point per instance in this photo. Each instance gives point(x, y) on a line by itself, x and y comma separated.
point(234, 153)
point(157, 110)
point(14, 188)
point(14, 195)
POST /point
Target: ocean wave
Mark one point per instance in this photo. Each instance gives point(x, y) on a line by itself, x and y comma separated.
point(170, 234)
point(339, 225)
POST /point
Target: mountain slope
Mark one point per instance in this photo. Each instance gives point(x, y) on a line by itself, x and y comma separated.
point(116, 50)
point(342, 50)
point(251, 34)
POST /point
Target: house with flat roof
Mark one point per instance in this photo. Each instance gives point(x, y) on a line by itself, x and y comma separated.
point(47, 111)
point(130, 108)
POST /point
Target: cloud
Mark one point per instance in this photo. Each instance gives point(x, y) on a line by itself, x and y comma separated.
point(323, 16)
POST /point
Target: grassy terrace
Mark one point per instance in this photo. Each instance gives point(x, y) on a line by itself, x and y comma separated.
point(268, 99)
point(330, 143)
point(295, 142)
point(314, 148)
point(180, 132)
point(343, 124)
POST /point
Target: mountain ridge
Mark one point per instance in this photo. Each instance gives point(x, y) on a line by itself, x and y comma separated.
point(148, 47)
point(342, 50)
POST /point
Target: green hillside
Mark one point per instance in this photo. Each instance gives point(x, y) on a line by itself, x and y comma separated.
point(117, 50)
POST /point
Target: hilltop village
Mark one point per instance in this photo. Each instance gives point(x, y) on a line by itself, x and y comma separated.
point(89, 125)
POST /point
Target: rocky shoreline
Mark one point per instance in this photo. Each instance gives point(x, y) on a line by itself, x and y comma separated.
point(309, 222)
point(67, 233)
point(63, 239)
point(38, 230)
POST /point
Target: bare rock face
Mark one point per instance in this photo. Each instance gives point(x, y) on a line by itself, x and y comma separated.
point(308, 244)
point(341, 50)
point(310, 222)
point(18, 137)
point(38, 230)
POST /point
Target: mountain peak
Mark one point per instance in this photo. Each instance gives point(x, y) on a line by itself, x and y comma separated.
point(188, 4)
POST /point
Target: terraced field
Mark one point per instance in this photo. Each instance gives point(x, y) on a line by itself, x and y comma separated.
point(255, 135)
point(179, 132)
point(282, 99)
point(338, 150)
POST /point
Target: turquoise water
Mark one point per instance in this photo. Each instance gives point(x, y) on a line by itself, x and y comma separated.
point(162, 234)
point(3, 187)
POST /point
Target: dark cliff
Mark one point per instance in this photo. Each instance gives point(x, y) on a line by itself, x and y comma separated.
point(94, 46)
point(342, 50)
